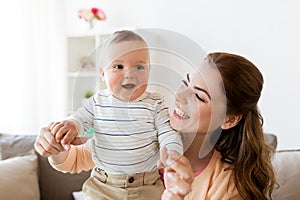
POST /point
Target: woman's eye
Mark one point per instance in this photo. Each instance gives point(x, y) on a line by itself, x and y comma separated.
point(185, 83)
point(198, 97)
point(118, 67)
point(139, 67)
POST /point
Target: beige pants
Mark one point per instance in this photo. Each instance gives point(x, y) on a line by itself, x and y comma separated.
point(141, 186)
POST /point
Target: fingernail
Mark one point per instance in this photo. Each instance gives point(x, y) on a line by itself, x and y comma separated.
point(66, 147)
point(170, 161)
point(170, 175)
point(181, 192)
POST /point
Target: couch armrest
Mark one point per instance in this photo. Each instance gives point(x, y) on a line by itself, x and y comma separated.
point(286, 164)
point(271, 140)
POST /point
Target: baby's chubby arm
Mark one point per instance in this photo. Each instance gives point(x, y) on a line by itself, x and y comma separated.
point(65, 131)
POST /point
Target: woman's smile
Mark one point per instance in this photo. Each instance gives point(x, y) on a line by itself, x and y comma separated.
point(179, 114)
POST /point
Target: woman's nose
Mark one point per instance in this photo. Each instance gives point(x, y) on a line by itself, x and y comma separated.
point(182, 94)
point(182, 100)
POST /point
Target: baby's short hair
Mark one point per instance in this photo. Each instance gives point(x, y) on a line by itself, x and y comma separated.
point(125, 35)
point(118, 37)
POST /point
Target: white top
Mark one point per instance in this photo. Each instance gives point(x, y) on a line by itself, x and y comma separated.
point(127, 135)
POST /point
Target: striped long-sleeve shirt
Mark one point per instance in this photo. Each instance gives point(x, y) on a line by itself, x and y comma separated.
point(127, 135)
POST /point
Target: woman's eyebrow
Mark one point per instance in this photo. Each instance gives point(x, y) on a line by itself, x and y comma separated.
point(198, 88)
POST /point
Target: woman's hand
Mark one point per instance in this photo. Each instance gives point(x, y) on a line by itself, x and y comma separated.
point(47, 145)
point(65, 132)
point(178, 175)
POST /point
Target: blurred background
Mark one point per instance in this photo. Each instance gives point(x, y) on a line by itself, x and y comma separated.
point(43, 45)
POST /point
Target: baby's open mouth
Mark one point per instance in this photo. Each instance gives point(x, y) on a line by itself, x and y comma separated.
point(128, 86)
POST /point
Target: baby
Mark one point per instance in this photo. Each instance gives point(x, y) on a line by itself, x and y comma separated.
point(126, 124)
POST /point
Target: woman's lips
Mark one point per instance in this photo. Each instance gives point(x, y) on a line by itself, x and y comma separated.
point(180, 114)
point(176, 115)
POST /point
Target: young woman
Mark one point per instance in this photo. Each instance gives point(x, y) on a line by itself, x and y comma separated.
point(237, 162)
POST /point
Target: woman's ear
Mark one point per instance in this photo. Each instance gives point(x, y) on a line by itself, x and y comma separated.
point(231, 121)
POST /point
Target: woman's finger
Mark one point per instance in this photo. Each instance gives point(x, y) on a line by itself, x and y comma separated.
point(60, 133)
point(48, 147)
point(55, 127)
point(163, 156)
point(43, 147)
point(173, 156)
point(176, 184)
point(69, 137)
point(159, 164)
point(168, 195)
point(40, 149)
point(79, 141)
point(183, 167)
point(52, 143)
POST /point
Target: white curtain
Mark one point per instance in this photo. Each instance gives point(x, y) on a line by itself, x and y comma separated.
point(32, 70)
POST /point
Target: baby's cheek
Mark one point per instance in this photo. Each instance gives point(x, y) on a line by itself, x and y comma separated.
point(114, 81)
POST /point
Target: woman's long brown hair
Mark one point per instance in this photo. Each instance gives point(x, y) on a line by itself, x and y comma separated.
point(243, 146)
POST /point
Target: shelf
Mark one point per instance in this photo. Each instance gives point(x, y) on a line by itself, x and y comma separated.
point(82, 74)
point(90, 33)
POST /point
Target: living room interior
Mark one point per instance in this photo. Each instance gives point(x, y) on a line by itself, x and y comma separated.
point(45, 43)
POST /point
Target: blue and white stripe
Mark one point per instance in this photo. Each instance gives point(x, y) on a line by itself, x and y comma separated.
point(127, 135)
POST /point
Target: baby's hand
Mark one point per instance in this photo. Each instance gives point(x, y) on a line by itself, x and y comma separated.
point(168, 157)
point(178, 174)
point(65, 132)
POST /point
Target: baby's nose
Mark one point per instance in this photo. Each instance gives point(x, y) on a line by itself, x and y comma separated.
point(128, 74)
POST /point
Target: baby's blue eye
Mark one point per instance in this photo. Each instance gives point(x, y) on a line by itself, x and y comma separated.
point(118, 67)
point(139, 67)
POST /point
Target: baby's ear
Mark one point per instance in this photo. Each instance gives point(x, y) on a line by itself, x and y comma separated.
point(231, 121)
point(101, 73)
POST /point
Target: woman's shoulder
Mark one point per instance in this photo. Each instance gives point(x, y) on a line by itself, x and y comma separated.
point(217, 166)
point(216, 170)
point(216, 181)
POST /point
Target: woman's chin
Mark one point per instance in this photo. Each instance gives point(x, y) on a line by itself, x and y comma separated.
point(176, 124)
point(183, 126)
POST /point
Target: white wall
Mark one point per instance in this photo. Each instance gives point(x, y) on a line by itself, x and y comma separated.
point(32, 65)
point(266, 32)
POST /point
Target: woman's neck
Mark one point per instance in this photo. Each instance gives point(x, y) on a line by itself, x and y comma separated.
point(192, 153)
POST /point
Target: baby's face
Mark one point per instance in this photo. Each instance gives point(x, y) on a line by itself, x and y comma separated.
point(127, 73)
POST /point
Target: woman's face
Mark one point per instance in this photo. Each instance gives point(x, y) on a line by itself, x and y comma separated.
point(200, 102)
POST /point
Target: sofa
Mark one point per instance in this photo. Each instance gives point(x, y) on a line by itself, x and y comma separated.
point(26, 175)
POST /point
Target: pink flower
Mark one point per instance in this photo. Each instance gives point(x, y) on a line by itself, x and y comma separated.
point(85, 14)
point(90, 14)
point(98, 13)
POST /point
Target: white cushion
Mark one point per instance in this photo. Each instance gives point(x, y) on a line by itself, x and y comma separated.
point(19, 180)
point(287, 166)
point(78, 195)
